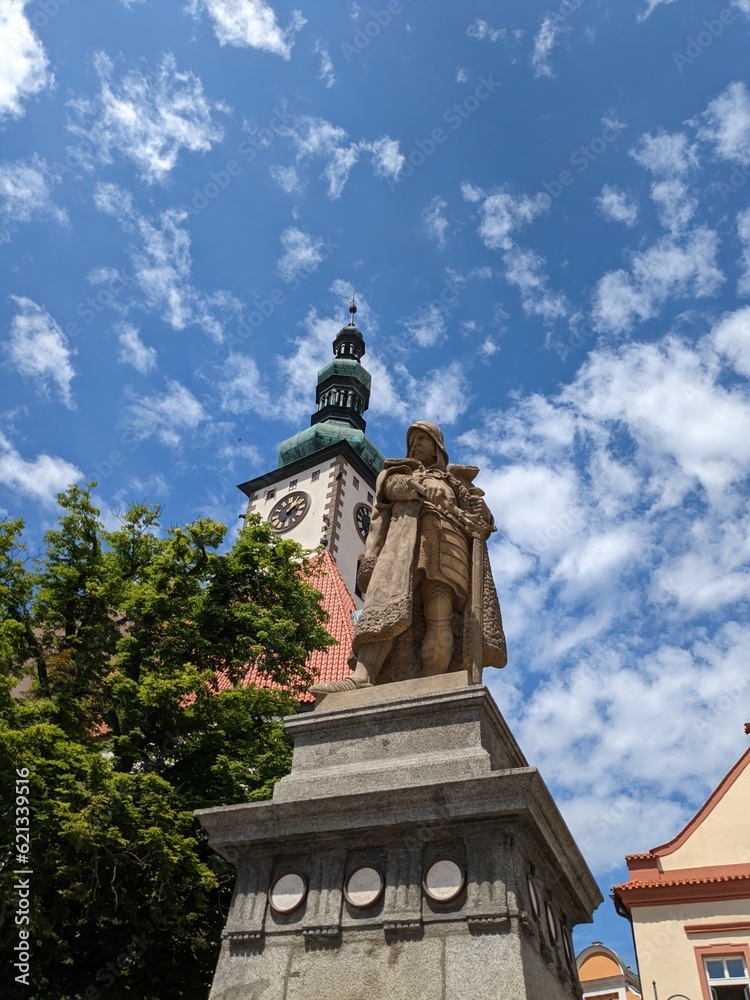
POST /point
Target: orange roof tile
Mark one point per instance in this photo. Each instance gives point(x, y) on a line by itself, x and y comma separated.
point(324, 664)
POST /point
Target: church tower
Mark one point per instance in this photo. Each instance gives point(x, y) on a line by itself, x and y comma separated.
point(322, 492)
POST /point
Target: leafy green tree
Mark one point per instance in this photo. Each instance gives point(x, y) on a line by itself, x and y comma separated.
point(127, 729)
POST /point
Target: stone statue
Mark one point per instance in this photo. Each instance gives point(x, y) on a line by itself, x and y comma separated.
point(430, 602)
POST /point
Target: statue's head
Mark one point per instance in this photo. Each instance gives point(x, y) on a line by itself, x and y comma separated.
point(424, 441)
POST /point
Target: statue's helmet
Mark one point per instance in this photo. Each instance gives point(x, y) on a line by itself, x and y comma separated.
point(433, 432)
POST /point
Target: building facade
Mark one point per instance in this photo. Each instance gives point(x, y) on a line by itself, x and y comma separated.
point(604, 976)
point(689, 901)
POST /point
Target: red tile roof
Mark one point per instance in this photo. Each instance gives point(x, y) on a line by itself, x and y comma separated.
point(324, 664)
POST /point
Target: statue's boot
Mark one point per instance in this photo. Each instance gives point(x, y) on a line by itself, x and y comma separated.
point(331, 687)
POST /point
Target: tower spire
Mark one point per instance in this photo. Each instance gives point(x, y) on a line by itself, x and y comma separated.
point(343, 390)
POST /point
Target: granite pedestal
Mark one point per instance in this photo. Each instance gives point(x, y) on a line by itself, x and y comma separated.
point(394, 778)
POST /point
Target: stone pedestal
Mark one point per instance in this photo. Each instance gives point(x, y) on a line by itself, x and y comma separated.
point(394, 778)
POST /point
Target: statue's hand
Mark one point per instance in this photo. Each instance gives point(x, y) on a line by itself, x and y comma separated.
point(432, 491)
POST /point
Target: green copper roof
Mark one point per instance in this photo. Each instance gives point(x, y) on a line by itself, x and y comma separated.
point(322, 435)
point(344, 366)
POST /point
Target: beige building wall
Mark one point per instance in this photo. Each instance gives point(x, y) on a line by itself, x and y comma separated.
point(669, 948)
point(722, 837)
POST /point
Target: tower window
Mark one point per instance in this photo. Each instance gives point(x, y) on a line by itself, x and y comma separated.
point(315, 476)
point(270, 494)
point(355, 482)
point(292, 483)
point(370, 498)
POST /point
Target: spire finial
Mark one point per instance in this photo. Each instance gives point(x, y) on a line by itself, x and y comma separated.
point(352, 308)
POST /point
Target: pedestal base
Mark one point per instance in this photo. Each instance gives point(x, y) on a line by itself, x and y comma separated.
point(396, 778)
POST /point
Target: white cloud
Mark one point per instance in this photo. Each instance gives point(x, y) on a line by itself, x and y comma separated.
point(651, 6)
point(162, 265)
point(616, 206)
point(41, 479)
point(462, 74)
point(543, 45)
point(148, 118)
point(525, 269)
point(725, 124)
point(480, 30)
point(665, 154)
point(622, 560)
point(316, 138)
point(427, 325)
point(24, 67)
point(504, 213)
point(287, 179)
point(669, 269)
point(731, 338)
point(133, 351)
point(302, 254)
point(674, 204)
point(326, 64)
point(25, 194)
point(250, 24)
point(242, 389)
point(38, 349)
point(435, 223)
point(167, 416)
point(743, 230)
point(442, 396)
point(387, 158)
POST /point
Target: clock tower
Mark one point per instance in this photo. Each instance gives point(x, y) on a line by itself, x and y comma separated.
point(323, 490)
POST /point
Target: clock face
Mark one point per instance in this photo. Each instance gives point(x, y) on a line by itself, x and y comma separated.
point(289, 511)
point(362, 515)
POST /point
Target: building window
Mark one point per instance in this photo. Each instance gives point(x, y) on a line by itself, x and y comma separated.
point(370, 498)
point(315, 476)
point(292, 483)
point(270, 494)
point(355, 482)
point(727, 978)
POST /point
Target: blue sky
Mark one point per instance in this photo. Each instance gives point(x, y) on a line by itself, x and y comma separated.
point(544, 212)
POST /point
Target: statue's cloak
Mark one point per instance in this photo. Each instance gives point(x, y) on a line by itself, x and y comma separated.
point(388, 568)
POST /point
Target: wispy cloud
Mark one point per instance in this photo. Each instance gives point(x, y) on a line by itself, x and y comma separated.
point(24, 67)
point(149, 118)
point(250, 24)
point(725, 124)
point(167, 416)
point(318, 139)
point(301, 255)
point(616, 206)
point(544, 42)
point(26, 195)
point(673, 267)
point(434, 221)
point(481, 30)
point(133, 351)
point(162, 265)
point(38, 350)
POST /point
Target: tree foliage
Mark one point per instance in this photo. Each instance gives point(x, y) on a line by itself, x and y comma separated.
point(126, 730)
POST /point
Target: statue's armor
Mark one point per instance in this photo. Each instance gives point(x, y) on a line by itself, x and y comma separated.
point(443, 549)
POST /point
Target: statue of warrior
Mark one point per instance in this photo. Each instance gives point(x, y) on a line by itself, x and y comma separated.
point(430, 601)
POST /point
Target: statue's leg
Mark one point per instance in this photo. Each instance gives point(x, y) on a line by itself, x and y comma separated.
point(370, 657)
point(437, 648)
